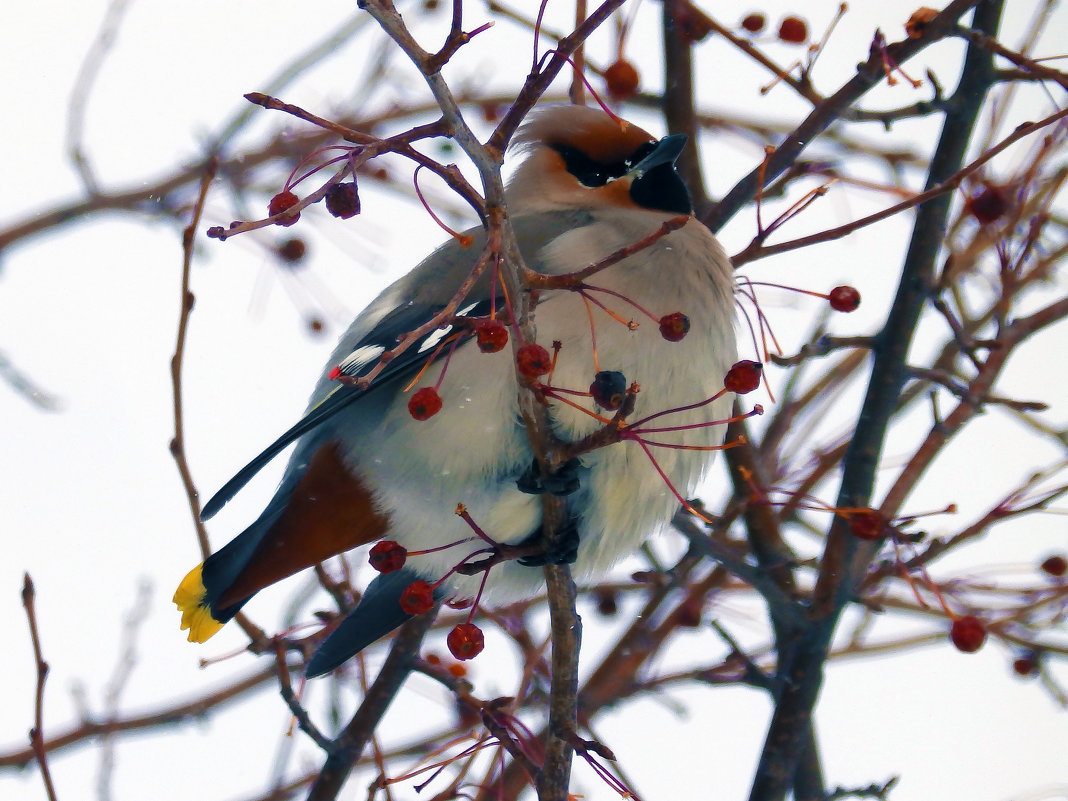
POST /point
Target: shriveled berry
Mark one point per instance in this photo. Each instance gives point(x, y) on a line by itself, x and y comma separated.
point(315, 325)
point(387, 556)
point(1055, 565)
point(622, 79)
point(491, 335)
point(674, 326)
point(793, 30)
point(743, 377)
point(692, 25)
point(533, 360)
point(607, 604)
point(989, 205)
point(342, 200)
point(917, 23)
point(968, 633)
point(1026, 665)
point(417, 597)
point(690, 611)
point(868, 525)
point(281, 202)
point(424, 403)
point(844, 298)
point(608, 389)
point(754, 23)
point(466, 641)
point(292, 251)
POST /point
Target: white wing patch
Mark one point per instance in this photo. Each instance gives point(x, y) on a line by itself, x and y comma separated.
point(433, 339)
point(360, 358)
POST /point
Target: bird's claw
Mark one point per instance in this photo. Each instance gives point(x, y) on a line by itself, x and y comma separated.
point(561, 482)
point(563, 551)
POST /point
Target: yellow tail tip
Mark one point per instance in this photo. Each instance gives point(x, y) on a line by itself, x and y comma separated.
point(191, 600)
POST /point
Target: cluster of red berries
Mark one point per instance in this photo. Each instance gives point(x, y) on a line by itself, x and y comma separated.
point(342, 201)
point(792, 30)
point(466, 640)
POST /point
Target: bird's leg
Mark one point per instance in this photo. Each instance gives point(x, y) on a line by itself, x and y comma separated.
point(561, 482)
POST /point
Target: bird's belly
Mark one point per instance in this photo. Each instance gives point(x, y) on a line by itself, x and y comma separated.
point(474, 449)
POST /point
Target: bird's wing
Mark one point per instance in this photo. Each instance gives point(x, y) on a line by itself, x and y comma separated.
point(403, 307)
point(360, 362)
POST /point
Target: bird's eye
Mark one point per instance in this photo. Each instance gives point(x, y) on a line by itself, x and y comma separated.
point(589, 172)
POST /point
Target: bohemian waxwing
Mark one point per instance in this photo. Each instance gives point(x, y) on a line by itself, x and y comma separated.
point(365, 469)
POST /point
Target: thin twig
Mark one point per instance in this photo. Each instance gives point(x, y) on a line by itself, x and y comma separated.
point(37, 741)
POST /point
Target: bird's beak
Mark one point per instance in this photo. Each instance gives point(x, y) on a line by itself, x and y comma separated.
point(667, 151)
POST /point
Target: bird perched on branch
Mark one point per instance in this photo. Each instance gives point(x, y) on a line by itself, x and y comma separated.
point(382, 461)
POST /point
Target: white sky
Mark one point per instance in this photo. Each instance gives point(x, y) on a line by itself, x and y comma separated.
point(92, 505)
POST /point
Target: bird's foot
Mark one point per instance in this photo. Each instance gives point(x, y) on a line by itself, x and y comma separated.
point(562, 551)
point(561, 482)
point(534, 551)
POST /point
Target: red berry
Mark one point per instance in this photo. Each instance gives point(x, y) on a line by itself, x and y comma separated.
point(608, 389)
point(1055, 565)
point(316, 326)
point(533, 360)
point(989, 205)
point(417, 597)
point(342, 200)
point(424, 403)
point(457, 670)
point(466, 641)
point(844, 298)
point(674, 326)
point(692, 25)
point(793, 30)
point(968, 633)
point(491, 335)
point(868, 525)
point(622, 79)
point(281, 202)
point(387, 556)
point(743, 377)
point(754, 23)
point(1026, 664)
point(292, 251)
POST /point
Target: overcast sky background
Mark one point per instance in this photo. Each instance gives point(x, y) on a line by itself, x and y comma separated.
point(92, 505)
